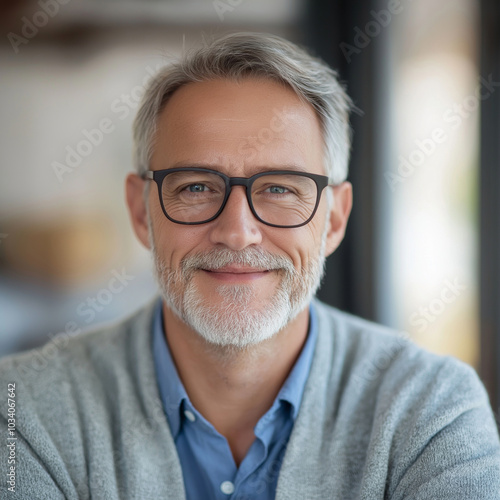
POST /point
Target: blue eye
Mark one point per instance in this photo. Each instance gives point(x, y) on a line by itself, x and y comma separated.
point(277, 190)
point(197, 188)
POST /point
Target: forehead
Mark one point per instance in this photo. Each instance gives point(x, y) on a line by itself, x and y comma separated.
point(238, 127)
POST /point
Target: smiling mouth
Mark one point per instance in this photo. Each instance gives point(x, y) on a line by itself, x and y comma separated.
point(233, 274)
point(236, 270)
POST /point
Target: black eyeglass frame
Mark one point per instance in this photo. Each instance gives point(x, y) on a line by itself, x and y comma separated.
point(158, 176)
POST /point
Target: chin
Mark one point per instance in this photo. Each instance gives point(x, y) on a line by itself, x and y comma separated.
point(240, 318)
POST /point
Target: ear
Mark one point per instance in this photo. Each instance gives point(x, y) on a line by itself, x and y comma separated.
point(134, 191)
point(339, 214)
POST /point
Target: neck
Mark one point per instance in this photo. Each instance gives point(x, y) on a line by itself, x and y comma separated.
point(232, 388)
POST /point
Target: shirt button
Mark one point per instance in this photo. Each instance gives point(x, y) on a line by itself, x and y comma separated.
point(227, 487)
point(190, 415)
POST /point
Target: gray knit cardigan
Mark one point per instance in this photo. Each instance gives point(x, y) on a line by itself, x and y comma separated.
point(380, 419)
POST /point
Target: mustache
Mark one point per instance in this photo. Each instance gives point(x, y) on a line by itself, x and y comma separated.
point(250, 256)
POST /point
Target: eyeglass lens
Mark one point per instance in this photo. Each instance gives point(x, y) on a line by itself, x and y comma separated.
point(194, 196)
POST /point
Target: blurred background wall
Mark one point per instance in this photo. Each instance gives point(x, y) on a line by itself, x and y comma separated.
point(421, 249)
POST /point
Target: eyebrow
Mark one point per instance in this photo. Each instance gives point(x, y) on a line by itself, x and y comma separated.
point(254, 171)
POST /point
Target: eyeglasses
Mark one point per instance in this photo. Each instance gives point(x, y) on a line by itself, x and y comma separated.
point(280, 198)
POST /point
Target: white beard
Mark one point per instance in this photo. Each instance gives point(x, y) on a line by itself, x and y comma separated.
point(240, 319)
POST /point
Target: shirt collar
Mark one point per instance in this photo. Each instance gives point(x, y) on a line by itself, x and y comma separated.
point(293, 388)
point(172, 390)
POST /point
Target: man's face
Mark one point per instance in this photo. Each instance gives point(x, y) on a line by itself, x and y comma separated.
point(235, 280)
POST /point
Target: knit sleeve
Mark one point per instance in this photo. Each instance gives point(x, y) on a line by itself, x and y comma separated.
point(451, 450)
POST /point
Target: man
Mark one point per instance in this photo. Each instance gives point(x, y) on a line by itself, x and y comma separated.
point(237, 383)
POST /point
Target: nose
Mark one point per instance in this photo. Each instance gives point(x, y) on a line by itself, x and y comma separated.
point(236, 227)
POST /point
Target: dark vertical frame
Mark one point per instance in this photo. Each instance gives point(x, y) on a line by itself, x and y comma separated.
point(490, 203)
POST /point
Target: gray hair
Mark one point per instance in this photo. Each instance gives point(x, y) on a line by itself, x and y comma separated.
point(241, 55)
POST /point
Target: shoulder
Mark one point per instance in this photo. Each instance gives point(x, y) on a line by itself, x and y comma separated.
point(378, 362)
point(107, 344)
point(401, 421)
point(87, 403)
point(55, 381)
point(414, 418)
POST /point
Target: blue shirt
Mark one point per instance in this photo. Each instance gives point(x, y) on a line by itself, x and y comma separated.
point(208, 467)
